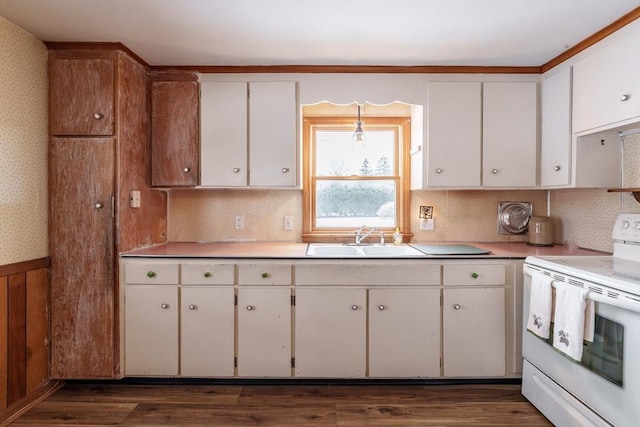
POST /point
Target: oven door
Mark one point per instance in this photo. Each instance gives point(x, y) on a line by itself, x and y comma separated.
point(607, 380)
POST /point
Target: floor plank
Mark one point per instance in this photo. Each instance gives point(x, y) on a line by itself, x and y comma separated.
point(120, 404)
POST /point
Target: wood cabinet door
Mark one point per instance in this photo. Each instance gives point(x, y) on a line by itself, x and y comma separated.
point(207, 331)
point(82, 96)
point(404, 332)
point(83, 318)
point(174, 133)
point(272, 130)
point(474, 332)
point(264, 332)
point(509, 134)
point(223, 134)
point(151, 330)
point(454, 131)
point(331, 332)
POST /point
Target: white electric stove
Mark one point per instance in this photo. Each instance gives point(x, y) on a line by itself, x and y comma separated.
point(603, 389)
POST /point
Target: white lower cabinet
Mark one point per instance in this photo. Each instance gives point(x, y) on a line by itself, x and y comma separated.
point(330, 332)
point(473, 320)
point(264, 331)
point(151, 330)
point(404, 332)
point(207, 331)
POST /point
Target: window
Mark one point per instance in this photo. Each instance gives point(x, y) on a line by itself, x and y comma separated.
point(349, 185)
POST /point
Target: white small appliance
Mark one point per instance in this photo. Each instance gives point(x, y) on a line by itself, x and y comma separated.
point(603, 389)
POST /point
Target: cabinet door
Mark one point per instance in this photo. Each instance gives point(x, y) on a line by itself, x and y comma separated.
point(81, 182)
point(404, 332)
point(81, 96)
point(264, 332)
point(555, 152)
point(223, 134)
point(606, 87)
point(509, 134)
point(272, 129)
point(453, 134)
point(151, 330)
point(207, 331)
point(330, 332)
point(474, 332)
point(174, 133)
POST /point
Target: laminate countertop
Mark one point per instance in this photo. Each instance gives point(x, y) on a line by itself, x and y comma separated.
point(294, 250)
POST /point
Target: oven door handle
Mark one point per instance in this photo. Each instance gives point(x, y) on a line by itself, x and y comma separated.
point(626, 303)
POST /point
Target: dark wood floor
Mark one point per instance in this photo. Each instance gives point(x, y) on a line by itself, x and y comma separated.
point(102, 404)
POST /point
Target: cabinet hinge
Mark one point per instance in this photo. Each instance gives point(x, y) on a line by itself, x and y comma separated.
point(293, 362)
point(235, 362)
point(293, 300)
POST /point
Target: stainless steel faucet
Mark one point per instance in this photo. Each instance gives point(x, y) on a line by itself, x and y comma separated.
point(360, 237)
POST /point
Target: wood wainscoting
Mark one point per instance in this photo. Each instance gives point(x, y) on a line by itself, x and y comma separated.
point(24, 332)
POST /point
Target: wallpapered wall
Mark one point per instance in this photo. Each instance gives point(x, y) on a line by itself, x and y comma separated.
point(23, 144)
point(585, 217)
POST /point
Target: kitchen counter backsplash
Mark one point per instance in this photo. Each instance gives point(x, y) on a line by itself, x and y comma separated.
point(208, 215)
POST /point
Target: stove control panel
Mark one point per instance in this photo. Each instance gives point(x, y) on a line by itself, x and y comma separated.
point(627, 228)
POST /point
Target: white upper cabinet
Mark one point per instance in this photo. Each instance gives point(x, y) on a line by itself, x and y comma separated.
point(606, 85)
point(272, 130)
point(509, 134)
point(223, 134)
point(555, 152)
point(248, 134)
point(454, 123)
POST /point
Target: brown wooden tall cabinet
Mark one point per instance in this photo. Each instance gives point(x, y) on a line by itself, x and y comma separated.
point(99, 139)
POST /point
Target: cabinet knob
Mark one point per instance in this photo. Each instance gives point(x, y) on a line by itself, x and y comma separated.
point(456, 306)
point(151, 274)
point(208, 274)
point(249, 307)
point(193, 307)
point(236, 170)
point(285, 170)
point(381, 307)
point(98, 116)
point(354, 307)
point(99, 205)
point(625, 97)
point(556, 168)
point(164, 306)
point(186, 170)
point(438, 170)
point(475, 275)
point(494, 171)
point(265, 275)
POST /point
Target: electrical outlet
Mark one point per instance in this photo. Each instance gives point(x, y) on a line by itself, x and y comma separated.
point(239, 222)
point(426, 224)
point(134, 198)
point(288, 222)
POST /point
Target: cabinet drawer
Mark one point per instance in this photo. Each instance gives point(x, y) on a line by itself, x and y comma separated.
point(150, 272)
point(207, 274)
point(369, 275)
point(475, 274)
point(264, 274)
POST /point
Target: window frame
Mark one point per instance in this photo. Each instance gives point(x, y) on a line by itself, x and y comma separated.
point(402, 164)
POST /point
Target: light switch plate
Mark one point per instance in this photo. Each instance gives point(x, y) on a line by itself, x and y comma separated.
point(134, 199)
point(239, 222)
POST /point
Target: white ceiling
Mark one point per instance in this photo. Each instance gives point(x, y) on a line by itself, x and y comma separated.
point(324, 32)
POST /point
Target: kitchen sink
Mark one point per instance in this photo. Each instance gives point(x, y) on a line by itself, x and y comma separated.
point(341, 250)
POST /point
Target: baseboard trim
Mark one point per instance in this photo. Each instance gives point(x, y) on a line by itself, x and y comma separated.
point(18, 408)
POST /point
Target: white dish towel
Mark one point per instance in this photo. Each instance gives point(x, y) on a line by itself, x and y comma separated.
point(569, 320)
point(540, 305)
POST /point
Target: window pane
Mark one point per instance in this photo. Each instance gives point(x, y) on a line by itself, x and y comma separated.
point(355, 203)
point(335, 155)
